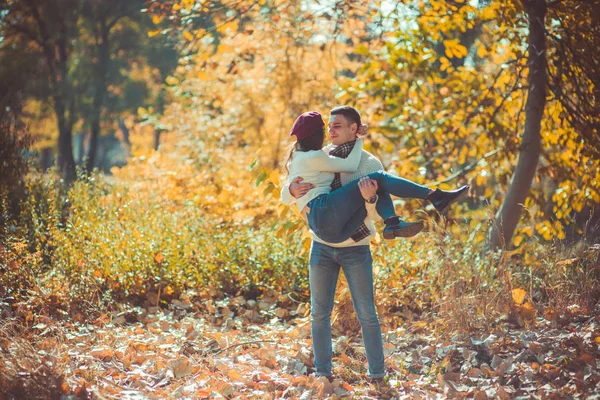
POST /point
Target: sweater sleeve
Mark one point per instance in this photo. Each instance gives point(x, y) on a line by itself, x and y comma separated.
point(286, 196)
point(322, 161)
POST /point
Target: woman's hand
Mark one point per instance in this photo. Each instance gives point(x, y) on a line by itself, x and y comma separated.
point(363, 131)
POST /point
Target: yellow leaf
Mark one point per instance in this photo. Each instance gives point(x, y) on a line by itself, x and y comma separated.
point(481, 51)
point(171, 80)
point(188, 35)
point(362, 50)
point(460, 51)
point(203, 76)
point(156, 19)
point(176, 7)
point(228, 27)
point(518, 240)
point(518, 295)
point(153, 33)
point(527, 311)
point(224, 48)
point(449, 52)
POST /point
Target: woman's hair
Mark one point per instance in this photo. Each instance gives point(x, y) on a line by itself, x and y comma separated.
point(313, 142)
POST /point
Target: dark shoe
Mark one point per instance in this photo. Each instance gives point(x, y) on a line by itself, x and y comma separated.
point(395, 227)
point(443, 199)
point(330, 378)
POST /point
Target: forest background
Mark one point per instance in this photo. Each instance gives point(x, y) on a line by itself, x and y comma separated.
point(142, 147)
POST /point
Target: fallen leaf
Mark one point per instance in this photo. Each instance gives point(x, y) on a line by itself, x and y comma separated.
point(518, 296)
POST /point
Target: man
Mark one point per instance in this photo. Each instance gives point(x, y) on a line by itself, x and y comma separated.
point(353, 255)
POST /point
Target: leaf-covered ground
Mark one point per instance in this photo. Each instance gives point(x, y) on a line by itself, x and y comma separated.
point(237, 349)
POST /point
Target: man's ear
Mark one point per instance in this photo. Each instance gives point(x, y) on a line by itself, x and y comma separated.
point(354, 128)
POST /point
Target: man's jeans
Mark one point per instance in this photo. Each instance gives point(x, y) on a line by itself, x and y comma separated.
point(336, 216)
point(325, 262)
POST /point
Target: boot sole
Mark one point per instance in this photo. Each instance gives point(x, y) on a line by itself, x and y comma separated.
point(408, 231)
point(389, 235)
point(457, 199)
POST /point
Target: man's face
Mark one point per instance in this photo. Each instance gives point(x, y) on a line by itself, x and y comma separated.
point(341, 130)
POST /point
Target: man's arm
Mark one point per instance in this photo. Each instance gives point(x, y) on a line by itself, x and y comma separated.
point(368, 164)
point(372, 213)
point(368, 189)
point(294, 190)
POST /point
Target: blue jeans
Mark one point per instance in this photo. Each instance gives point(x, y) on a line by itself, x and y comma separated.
point(325, 263)
point(336, 216)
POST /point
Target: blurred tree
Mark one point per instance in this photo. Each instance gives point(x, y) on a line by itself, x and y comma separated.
point(97, 61)
point(14, 143)
point(249, 68)
point(102, 18)
point(48, 29)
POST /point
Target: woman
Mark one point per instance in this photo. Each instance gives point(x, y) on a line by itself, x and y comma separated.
point(334, 217)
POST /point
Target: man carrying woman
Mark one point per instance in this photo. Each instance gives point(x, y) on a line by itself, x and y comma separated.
point(340, 190)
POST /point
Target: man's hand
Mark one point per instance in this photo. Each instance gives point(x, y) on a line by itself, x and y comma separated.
point(363, 131)
point(368, 187)
point(299, 189)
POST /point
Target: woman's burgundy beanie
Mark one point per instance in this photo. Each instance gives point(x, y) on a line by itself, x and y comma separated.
point(307, 124)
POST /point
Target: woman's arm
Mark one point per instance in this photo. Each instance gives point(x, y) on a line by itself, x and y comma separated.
point(322, 161)
point(285, 195)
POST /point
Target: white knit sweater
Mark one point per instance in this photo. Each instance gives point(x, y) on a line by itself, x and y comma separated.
point(319, 168)
point(368, 164)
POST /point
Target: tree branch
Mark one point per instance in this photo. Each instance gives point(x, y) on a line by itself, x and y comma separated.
point(466, 169)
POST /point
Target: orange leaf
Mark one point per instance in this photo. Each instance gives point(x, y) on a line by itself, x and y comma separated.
point(528, 311)
point(518, 295)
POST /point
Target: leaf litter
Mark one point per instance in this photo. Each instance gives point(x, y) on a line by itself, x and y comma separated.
point(234, 348)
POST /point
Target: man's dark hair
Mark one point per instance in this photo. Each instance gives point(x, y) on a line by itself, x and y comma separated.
point(350, 113)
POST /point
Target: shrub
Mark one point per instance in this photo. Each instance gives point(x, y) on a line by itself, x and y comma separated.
point(14, 142)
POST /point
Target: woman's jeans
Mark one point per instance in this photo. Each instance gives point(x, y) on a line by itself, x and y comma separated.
point(325, 262)
point(336, 216)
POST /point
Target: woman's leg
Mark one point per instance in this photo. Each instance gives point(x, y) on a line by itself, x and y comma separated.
point(397, 186)
point(441, 199)
point(339, 214)
point(385, 206)
point(347, 204)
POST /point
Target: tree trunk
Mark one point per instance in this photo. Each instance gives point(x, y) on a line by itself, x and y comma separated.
point(57, 57)
point(99, 94)
point(124, 132)
point(66, 161)
point(157, 133)
point(508, 216)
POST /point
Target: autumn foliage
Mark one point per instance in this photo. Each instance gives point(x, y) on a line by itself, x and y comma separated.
point(181, 274)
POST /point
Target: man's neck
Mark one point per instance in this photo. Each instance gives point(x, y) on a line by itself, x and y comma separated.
point(336, 145)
